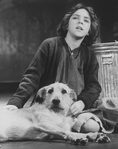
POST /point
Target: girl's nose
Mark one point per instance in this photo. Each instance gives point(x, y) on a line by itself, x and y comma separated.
point(80, 21)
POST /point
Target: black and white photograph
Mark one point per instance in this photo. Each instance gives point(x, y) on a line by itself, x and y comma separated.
point(58, 74)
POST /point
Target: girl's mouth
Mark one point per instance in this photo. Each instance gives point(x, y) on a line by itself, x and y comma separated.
point(80, 28)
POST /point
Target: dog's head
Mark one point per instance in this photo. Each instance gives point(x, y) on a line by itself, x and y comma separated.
point(57, 97)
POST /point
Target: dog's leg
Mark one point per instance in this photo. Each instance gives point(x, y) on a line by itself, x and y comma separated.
point(52, 130)
point(75, 138)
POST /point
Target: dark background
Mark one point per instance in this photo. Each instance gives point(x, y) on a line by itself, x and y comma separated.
point(24, 24)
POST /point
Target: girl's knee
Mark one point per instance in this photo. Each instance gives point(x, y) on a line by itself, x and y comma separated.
point(90, 126)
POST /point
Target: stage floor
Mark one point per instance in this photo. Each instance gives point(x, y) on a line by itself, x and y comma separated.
point(60, 145)
point(4, 97)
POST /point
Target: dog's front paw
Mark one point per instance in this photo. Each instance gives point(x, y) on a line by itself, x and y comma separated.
point(92, 136)
point(98, 137)
point(102, 138)
point(82, 141)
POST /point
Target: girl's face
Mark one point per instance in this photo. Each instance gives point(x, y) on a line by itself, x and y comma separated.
point(79, 24)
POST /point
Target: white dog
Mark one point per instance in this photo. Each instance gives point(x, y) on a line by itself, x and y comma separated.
point(48, 119)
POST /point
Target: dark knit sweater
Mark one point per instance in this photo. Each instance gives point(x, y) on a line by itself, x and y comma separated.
point(54, 62)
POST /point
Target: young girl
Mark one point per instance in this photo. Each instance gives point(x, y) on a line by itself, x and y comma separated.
point(67, 58)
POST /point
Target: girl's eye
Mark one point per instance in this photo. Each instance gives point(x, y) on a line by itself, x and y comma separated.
point(74, 18)
point(87, 21)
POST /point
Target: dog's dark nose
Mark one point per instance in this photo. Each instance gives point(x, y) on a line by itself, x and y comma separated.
point(56, 101)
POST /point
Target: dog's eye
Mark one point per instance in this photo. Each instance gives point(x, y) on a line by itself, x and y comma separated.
point(50, 91)
point(64, 91)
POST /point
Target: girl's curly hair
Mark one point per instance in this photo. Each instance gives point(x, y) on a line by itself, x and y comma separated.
point(94, 29)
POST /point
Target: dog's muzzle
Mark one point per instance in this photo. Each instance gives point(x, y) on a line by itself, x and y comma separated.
point(56, 102)
point(56, 105)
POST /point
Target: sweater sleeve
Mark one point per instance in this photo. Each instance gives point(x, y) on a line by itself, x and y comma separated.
point(92, 88)
point(30, 82)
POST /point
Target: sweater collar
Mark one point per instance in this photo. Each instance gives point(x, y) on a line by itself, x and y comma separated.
point(75, 52)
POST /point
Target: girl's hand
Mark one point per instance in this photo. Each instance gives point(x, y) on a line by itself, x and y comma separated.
point(76, 107)
point(10, 107)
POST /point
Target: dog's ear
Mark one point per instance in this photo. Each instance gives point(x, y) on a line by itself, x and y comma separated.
point(40, 96)
point(73, 95)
